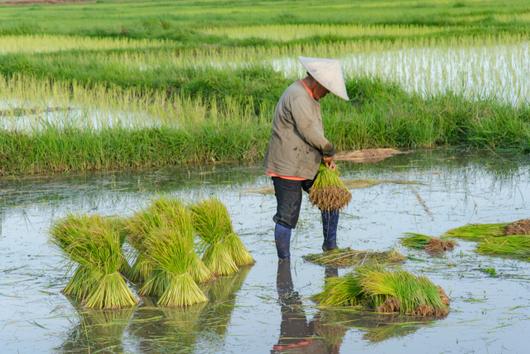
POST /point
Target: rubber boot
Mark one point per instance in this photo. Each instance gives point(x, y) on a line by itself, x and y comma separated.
point(282, 237)
point(330, 221)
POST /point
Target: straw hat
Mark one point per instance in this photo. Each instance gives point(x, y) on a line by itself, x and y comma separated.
point(328, 73)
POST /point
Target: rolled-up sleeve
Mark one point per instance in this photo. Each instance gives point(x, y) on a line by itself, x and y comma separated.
point(309, 127)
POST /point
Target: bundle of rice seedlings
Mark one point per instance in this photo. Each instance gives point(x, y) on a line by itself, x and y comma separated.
point(328, 192)
point(517, 247)
point(222, 248)
point(378, 289)
point(432, 245)
point(95, 245)
point(163, 212)
point(171, 253)
point(346, 257)
point(477, 232)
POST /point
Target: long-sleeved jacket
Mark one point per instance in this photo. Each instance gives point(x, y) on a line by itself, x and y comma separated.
point(297, 143)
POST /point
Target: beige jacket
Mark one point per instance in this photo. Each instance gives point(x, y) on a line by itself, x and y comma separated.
point(297, 143)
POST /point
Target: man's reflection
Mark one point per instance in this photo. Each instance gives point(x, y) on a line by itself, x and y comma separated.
point(297, 335)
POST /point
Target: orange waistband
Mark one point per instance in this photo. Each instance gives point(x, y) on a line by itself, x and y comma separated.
point(292, 178)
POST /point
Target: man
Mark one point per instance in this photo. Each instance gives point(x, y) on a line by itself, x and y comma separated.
point(297, 146)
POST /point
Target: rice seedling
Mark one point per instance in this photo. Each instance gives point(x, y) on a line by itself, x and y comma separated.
point(162, 213)
point(170, 250)
point(93, 243)
point(432, 245)
point(477, 232)
point(517, 247)
point(373, 287)
point(347, 257)
point(223, 251)
point(328, 192)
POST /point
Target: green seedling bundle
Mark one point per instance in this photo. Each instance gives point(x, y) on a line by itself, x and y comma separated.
point(329, 192)
point(376, 288)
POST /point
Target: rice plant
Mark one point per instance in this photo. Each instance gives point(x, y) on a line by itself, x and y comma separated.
point(517, 247)
point(95, 245)
point(170, 251)
point(162, 213)
point(222, 248)
point(376, 288)
point(347, 257)
point(432, 245)
point(328, 192)
point(477, 232)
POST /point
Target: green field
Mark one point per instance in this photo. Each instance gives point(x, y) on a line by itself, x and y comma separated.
point(108, 85)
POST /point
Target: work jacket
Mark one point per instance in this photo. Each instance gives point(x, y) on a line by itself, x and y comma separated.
point(297, 143)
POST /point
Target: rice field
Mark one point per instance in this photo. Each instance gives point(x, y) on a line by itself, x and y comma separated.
point(193, 70)
point(261, 307)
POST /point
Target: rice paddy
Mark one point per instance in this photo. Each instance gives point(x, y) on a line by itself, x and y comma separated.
point(107, 105)
point(168, 75)
point(458, 188)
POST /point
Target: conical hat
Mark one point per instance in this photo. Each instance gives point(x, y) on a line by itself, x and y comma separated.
point(328, 73)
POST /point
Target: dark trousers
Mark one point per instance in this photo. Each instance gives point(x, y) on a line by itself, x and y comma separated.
point(289, 199)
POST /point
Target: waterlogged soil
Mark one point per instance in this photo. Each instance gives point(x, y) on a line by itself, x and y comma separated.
point(267, 308)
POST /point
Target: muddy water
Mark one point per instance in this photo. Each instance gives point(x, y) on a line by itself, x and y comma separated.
point(249, 313)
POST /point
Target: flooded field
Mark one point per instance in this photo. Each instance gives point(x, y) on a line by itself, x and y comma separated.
point(496, 71)
point(249, 313)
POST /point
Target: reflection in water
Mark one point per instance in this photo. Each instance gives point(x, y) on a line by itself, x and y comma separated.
point(177, 330)
point(98, 331)
point(324, 334)
point(297, 335)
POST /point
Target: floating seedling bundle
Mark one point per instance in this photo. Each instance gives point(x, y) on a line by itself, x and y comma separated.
point(432, 245)
point(376, 288)
point(503, 239)
point(222, 248)
point(94, 243)
point(329, 192)
point(346, 257)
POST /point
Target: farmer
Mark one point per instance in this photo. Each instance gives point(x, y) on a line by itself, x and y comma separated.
point(297, 146)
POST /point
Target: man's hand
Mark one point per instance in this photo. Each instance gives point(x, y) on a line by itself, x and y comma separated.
point(328, 161)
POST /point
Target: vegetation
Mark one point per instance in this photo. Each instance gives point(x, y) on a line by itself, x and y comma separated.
point(223, 250)
point(497, 239)
point(170, 83)
point(432, 245)
point(328, 192)
point(95, 245)
point(382, 290)
point(346, 257)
